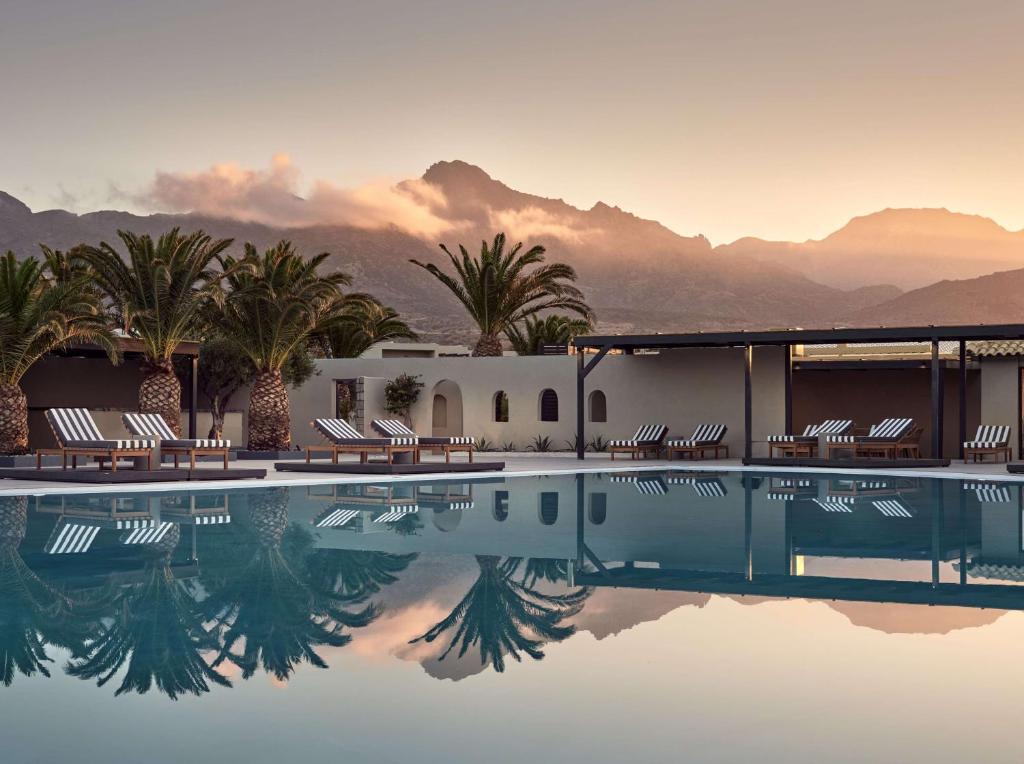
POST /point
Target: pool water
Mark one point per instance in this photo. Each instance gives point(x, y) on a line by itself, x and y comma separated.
point(652, 616)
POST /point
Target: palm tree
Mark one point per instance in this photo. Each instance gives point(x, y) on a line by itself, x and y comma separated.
point(157, 628)
point(39, 314)
point(502, 616)
point(363, 323)
point(498, 292)
point(269, 603)
point(356, 572)
point(277, 302)
point(555, 329)
point(157, 293)
point(33, 613)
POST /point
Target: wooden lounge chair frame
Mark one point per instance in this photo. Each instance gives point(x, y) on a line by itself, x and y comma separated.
point(641, 447)
point(700, 443)
point(395, 428)
point(363, 449)
point(999, 447)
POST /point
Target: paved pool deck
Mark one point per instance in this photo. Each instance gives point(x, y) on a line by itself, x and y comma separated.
point(516, 464)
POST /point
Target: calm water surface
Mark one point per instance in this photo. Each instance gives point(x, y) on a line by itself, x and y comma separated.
point(652, 617)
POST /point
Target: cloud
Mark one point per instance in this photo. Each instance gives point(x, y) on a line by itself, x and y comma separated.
point(272, 196)
point(532, 222)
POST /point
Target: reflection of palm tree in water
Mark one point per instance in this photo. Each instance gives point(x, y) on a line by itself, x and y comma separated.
point(32, 612)
point(355, 572)
point(271, 603)
point(544, 569)
point(506, 617)
point(157, 628)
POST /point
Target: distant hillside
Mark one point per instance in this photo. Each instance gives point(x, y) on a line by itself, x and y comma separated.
point(906, 247)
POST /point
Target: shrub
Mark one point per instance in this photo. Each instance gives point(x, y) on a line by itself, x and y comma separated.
point(540, 444)
point(401, 394)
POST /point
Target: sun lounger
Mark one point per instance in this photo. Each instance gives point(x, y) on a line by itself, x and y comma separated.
point(890, 437)
point(155, 426)
point(77, 435)
point(989, 440)
point(806, 443)
point(395, 428)
point(343, 438)
point(647, 439)
point(706, 437)
point(648, 485)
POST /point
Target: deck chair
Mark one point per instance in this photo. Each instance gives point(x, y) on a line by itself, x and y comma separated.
point(155, 426)
point(806, 443)
point(989, 440)
point(343, 438)
point(77, 435)
point(885, 438)
point(705, 437)
point(395, 428)
point(647, 439)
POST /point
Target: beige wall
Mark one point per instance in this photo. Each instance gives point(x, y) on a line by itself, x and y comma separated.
point(1000, 395)
point(681, 388)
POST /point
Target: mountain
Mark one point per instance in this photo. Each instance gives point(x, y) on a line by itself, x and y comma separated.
point(910, 248)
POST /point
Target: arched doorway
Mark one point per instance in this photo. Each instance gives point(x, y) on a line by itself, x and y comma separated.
point(446, 409)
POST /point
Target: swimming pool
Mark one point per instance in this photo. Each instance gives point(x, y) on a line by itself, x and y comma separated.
point(660, 616)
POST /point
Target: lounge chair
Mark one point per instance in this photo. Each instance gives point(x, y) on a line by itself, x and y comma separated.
point(343, 438)
point(806, 443)
point(77, 435)
point(395, 428)
point(705, 437)
point(991, 440)
point(887, 438)
point(648, 438)
point(155, 426)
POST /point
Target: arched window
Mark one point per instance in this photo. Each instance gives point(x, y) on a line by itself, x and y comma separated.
point(440, 411)
point(549, 406)
point(598, 407)
point(598, 509)
point(501, 406)
point(548, 507)
point(501, 506)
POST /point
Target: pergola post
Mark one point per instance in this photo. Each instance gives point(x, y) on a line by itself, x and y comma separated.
point(580, 377)
point(748, 537)
point(748, 404)
point(963, 399)
point(936, 403)
point(788, 382)
point(193, 401)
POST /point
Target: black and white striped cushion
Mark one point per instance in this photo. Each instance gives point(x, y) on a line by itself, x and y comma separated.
point(393, 428)
point(196, 443)
point(113, 445)
point(337, 429)
point(649, 486)
point(706, 487)
point(146, 535)
point(990, 436)
point(73, 424)
point(70, 538)
point(890, 429)
point(892, 508)
point(809, 433)
point(451, 440)
point(988, 493)
point(703, 435)
point(148, 426)
point(835, 504)
point(646, 434)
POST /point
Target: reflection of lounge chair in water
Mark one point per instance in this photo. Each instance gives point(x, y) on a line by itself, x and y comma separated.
point(195, 509)
point(648, 485)
point(786, 489)
point(990, 493)
point(705, 486)
point(81, 518)
point(361, 507)
point(452, 497)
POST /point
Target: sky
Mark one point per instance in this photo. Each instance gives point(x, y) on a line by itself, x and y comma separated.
point(774, 119)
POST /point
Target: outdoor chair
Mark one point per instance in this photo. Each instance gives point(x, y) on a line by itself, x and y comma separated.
point(155, 426)
point(706, 437)
point(806, 443)
point(77, 435)
point(343, 438)
point(394, 428)
point(647, 439)
point(890, 437)
point(989, 440)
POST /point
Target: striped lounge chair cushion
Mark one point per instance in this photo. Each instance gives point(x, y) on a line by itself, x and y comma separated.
point(706, 487)
point(990, 436)
point(70, 538)
point(392, 428)
point(887, 430)
point(155, 426)
point(703, 435)
point(989, 493)
point(892, 508)
point(645, 435)
point(112, 445)
point(647, 485)
point(835, 504)
point(814, 431)
point(451, 440)
point(341, 433)
point(73, 425)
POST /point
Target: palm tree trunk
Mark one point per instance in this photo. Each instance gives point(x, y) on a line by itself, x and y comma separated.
point(160, 393)
point(487, 346)
point(270, 424)
point(13, 420)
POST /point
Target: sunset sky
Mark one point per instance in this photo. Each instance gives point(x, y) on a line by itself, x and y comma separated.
point(774, 119)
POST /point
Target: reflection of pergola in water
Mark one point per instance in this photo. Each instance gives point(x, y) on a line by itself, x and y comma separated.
point(945, 544)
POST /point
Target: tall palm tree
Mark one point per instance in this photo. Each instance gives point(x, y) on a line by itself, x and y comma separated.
point(39, 313)
point(156, 627)
point(528, 337)
point(269, 602)
point(501, 616)
point(498, 291)
point(276, 303)
point(157, 292)
point(363, 323)
point(33, 613)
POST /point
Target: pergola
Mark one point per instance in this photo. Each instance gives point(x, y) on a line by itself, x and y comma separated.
point(601, 345)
